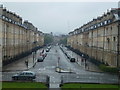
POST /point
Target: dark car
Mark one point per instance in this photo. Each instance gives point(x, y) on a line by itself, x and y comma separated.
point(25, 75)
point(72, 59)
point(40, 59)
point(47, 50)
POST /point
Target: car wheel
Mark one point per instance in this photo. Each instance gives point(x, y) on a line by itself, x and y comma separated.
point(16, 78)
point(29, 78)
point(13, 78)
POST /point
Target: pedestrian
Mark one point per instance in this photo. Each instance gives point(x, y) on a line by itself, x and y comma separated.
point(85, 60)
point(43, 51)
point(86, 66)
point(82, 60)
point(26, 62)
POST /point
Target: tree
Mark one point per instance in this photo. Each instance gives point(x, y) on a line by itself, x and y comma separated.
point(48, 38)
point(63, 41)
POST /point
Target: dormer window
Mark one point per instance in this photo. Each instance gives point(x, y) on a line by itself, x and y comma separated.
point(82, 30)
point(109, 21)
point(3, 17)
point(101, 24)
point(105, 22)
point(95, 26)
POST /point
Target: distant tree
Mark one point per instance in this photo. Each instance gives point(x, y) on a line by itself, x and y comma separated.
point(48, 39)
point(63, 41)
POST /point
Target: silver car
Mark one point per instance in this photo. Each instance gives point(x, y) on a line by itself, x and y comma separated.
point(25, 75)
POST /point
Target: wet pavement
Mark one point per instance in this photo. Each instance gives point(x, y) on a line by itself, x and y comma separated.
point(7, 76)
point(90, 78)
point(90, 66)
point(20, 64)
point(48, 68)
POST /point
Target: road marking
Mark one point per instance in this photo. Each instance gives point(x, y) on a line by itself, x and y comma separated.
point(42, 69)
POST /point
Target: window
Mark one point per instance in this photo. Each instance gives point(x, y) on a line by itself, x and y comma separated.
point(6, 19)
point(22, 74)
point(3, 17)
point(109, 21)
point(106, 28)
point(101, 23)
point(114, 39)
point(91, 27)
point(10, 20)
point(82, 30)
point(111, 27)
point(95, 26)
point(105, 22)
point(98, 24)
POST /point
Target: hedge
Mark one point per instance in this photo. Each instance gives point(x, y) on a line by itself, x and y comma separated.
point(108, 68)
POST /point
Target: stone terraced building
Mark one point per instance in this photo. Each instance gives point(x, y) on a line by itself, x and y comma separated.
point(99, 39)
point(17, 37)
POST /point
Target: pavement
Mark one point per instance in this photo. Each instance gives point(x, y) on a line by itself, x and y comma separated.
point(90, 66)
point(61, 74)
point(90, 78)
point(20, 65)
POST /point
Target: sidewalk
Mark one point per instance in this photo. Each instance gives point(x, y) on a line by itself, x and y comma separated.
point(20, 64)
point(90, 66)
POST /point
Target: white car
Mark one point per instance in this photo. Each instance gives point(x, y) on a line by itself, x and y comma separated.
point(40, 59)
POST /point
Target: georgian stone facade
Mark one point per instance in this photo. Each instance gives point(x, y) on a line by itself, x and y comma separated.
point(99, 38)
point(17, 37)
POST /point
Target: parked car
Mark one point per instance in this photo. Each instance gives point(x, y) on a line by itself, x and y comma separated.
point(25, 75)
point(44, 55)
point(68, 56)
point(40, 59)
point(47, 50)
point(49, 47)
point(72, 59)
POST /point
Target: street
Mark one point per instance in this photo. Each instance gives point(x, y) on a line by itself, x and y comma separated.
point(72, 71)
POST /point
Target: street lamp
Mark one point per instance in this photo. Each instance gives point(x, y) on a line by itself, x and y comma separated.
point(77, 50)
point(34, 52)
point(118, 45)
point(33, 57)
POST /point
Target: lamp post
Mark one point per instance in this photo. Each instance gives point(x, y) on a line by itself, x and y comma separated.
point(118, 49)
point(33, 58)
point(118, 37)
point(77, 51)
point(34, 52)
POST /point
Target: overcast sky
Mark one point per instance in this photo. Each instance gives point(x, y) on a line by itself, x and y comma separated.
point(59, 17)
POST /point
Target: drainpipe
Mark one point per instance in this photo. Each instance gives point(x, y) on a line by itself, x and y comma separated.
point(118, 49)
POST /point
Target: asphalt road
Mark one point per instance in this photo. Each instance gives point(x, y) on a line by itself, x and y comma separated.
point(48, 67)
